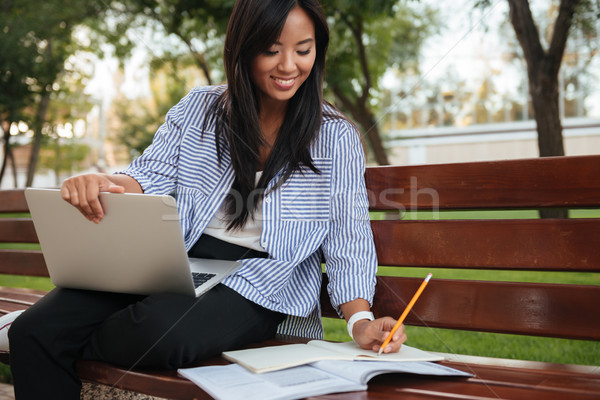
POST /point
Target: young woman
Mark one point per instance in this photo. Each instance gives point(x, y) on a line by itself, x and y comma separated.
point(264, 171)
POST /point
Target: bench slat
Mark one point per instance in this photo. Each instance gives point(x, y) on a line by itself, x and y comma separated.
point(17, 230)
point(508, 184)
point(23, 262)
point(537, 309)
point(12, 201)
point(12, 299)
point(416, 387)
point(536, 381)
point(502, 307)
point(500, 244)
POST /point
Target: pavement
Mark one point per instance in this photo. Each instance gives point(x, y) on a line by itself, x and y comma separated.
point(6, 392)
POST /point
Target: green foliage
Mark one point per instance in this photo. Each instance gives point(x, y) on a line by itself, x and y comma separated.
point(63, 156)
point(368, 37)
point(198, 27)
point(139, 121)
point(37, 39)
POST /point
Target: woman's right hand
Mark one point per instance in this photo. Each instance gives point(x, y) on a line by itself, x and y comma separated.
point(82, 192)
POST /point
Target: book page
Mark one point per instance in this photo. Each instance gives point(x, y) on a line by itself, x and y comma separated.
point(272, 358)
point(363, 371)
point(406, 353)
point(232, 382)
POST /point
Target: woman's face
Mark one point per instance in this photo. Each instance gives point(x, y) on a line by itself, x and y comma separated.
point(283, 68)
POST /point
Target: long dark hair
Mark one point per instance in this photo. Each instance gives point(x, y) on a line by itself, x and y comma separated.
point(253, 27)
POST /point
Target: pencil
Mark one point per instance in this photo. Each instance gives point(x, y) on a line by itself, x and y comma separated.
point(405, 313)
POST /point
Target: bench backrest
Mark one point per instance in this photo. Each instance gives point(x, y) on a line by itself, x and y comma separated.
point(556, 310)
point(18, 228)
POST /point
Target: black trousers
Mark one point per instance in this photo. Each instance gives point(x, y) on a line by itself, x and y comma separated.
point(165, 331)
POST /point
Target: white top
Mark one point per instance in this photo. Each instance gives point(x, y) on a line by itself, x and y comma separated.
point(248, 236)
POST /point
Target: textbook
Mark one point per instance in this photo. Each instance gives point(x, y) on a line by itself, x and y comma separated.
point(273, 358)
point(233, 382)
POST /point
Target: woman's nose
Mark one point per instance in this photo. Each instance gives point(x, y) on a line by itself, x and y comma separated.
point(287, 63)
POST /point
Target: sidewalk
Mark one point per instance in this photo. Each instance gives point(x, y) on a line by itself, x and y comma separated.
point(6, 392)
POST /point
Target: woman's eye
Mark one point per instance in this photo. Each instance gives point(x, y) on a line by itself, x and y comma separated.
point(304, 53)
point(271, 52)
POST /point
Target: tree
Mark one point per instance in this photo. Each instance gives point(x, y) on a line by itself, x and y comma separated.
point(198, 26)
point(16, 53)
point(368, 37)
point(543, 65)
point(45, 30)
point(61, 149)
point(138, 120)
point(542, 70)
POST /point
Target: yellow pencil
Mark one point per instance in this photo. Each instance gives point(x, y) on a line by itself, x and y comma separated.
point(405, 313)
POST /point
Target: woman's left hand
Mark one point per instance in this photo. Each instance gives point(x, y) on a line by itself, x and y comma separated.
point(370, 335)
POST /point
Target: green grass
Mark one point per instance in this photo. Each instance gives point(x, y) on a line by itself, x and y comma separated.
point(500, 214)
point(30, 282)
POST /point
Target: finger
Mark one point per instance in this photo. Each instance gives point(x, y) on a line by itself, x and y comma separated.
point(97, 213)
point(65, 192)
point(388, 323)
point(115, 188)
point(74, 200)
point(84, 204)
point(395, 344)
point(68, 191)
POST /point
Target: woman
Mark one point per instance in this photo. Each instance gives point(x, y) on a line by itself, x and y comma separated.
point(264, 171)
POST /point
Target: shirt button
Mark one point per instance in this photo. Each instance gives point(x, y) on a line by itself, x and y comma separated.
point(267, 200)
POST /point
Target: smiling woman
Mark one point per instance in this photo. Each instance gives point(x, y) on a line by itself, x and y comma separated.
point(263, 160)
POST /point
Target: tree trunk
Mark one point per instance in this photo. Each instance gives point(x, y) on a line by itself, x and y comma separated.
point(371, 131)
point(542, 70)
point(363, 116)
point(40, 119)
point(358, 107)
point(545, 99)
point(8, 155)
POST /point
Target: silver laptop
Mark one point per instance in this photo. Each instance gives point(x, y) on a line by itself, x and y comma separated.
point(137, 248)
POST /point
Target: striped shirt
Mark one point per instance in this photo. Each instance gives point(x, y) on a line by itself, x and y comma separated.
point(327, 211)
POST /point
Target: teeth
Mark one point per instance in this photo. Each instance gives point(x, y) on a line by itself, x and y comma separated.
point(284, 82)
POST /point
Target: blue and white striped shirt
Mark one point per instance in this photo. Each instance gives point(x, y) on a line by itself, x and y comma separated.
point(327, 211)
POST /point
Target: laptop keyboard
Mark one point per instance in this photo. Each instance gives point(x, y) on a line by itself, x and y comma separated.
point(201, 278)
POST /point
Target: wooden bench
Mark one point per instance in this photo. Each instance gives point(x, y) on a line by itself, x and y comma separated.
point(533, 309)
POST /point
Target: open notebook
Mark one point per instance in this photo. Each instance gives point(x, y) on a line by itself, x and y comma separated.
point(273, 358)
